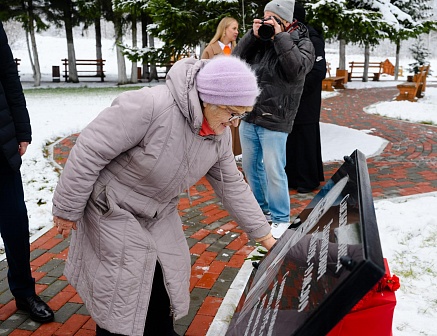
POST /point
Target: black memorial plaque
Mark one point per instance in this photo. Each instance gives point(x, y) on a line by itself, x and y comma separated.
point(314, 275)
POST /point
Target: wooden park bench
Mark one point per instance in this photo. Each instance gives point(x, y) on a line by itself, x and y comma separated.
point(87, 72)
point(413, 90)
point(332, 82)
point(162, 70)
point(356, 70)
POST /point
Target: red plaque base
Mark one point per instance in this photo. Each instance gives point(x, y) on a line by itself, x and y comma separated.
point(373, 315)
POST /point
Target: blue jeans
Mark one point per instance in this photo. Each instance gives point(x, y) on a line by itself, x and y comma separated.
point(264, 161)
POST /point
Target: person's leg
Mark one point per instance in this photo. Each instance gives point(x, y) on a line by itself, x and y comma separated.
point(291, 167)
point(159, 319)
point(304, 160)
point(319, 161)
point(14, 228)
point(273, 147)
point(253, 166)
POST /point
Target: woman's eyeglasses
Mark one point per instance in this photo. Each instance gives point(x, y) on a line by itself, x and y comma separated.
point(236, 116)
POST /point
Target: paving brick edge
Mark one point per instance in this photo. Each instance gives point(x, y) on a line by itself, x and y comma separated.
point(221, 321)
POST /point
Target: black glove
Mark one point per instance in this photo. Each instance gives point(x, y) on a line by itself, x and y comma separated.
point(302, 30)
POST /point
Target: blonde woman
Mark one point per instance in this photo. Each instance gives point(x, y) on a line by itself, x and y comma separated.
point(224, 39)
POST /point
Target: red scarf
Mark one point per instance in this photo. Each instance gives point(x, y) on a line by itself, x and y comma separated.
point(206, 130)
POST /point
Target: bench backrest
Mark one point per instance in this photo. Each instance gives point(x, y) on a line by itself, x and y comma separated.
point(85, 61)
point(355, 64)
point(423, 73)
point(426, 68)
point(420, 77)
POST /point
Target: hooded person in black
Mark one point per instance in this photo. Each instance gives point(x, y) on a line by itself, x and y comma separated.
point(304, 156)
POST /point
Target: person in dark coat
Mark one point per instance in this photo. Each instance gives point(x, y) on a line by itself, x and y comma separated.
point(304, 155)
point(15, 136)
point(281, 61)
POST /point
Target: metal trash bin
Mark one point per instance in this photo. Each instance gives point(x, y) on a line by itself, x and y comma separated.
point(56, 74)
point(139, 74)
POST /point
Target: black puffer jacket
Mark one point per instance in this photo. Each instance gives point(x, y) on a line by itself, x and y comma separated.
point(281, 66)
point(14, 118)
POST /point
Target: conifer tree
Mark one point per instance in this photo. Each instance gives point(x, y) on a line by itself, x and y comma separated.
point(420, 54)
point(347, 21)
point(182, 24)
point(365, 22)
point(421, 22)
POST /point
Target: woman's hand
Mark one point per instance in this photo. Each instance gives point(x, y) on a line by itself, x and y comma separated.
point(64, 226)
point(268, 243)
point(22, 147)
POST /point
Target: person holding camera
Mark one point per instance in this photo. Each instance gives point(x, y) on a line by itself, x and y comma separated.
point(281, 53)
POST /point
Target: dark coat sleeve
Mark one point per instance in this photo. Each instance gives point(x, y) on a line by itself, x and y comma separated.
point(13, 90)
point(247, 46)
point(14, 117)
point(296, 58)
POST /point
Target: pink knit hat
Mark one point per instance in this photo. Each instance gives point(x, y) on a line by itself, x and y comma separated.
point(227, 80)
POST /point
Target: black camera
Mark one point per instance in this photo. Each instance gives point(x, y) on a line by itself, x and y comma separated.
point(266, 30)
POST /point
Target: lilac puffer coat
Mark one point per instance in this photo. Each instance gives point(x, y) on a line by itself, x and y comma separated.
point(121, 184)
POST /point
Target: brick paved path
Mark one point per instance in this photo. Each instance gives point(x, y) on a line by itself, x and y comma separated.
point(218, 247)
point(408, 165)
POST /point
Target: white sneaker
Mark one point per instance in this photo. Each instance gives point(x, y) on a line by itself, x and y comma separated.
point(278, 229)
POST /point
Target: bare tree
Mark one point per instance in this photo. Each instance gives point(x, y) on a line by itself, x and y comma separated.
point(122, 78)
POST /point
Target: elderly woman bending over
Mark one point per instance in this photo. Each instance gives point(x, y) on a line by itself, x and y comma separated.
point(129, 259)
